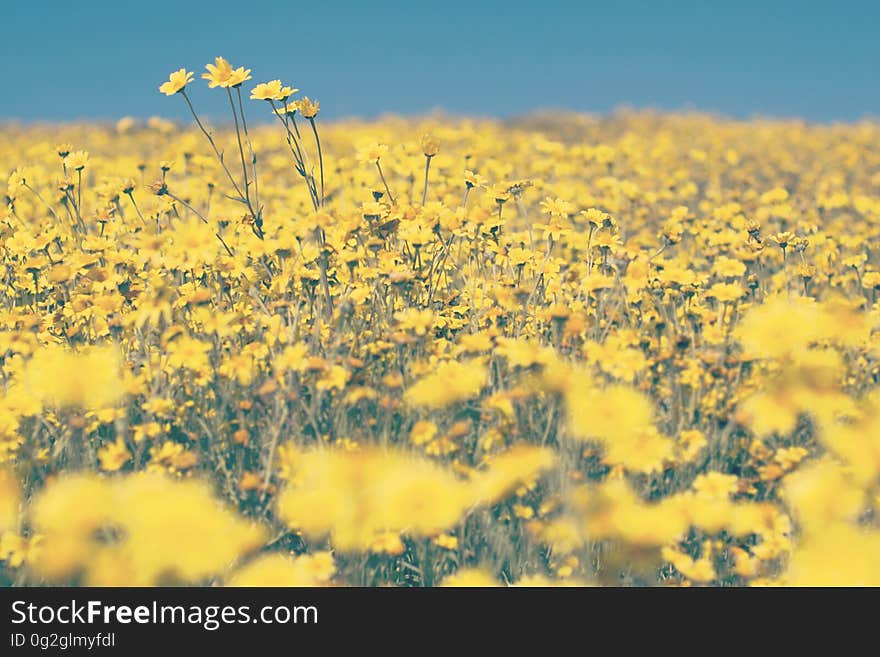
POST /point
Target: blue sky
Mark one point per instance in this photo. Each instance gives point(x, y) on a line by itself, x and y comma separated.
point(90, 59)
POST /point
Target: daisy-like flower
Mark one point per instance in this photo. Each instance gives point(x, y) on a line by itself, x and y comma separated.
point(429, 144)
point(77, 160)
point(372, 153)
point(472, 179)
point(176, 82)
point(221, 74)
point(556, 207)
point(239, 75)
point(272, 90)
point(308, 108)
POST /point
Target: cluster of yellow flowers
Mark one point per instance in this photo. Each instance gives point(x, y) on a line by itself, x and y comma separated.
point(560, 350)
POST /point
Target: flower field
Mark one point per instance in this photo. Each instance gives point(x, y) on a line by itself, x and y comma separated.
point(640, 349)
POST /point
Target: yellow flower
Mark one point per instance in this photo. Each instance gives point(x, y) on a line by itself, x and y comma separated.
point(89, 379)
point(726, 292)
point(284, 570)
point(419, 321)
point(842, 555)
point(613, 414)
point(612, 511)
point(16, 550)
point(70, 512)
point(334, 378)
point(596, 218)
point(117, 532)
point(308, 108)
point(822, 495)
point(783, 239)
point(556, 207)
point(293, 357)
point(781, 326)
point(372, 153)
point(190, 353)
point(114, 455)
point(356, 497)
point(691, 443)
point(208, 537)
point(699, 570)
point(871, 280)
point(523, 511)
point(239, 76)
point(451, 381)
point(715, 485)
point(506, 471)
point(646, 450)
point(471, 577)
point(745, 565)
point(172, 455)
point(728, 267)
point(472, 180)
point(429, 144)
point(446, 541)
point(77, 160)
point(423, 432)
point(388, 543)
point(272, 90)
point(176, 82)
point(542, 581)
point(221, 74)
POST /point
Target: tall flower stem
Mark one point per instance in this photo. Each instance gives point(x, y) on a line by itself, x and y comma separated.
point(42, 200)
point(384, 182)
point(427, 168)
point(296, 152)
point(247, 194)
point(200, 216)
point(213, 144)
point(305, 155)
point(136, 208)
point(320, 156)
point(250, 146)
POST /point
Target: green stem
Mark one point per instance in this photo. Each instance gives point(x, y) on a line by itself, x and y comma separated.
point(250, 148)
point(427, 168)
point(240, 150)
point(320, 156)
point(213, 144)
point(384, 182)
point(198, 214)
